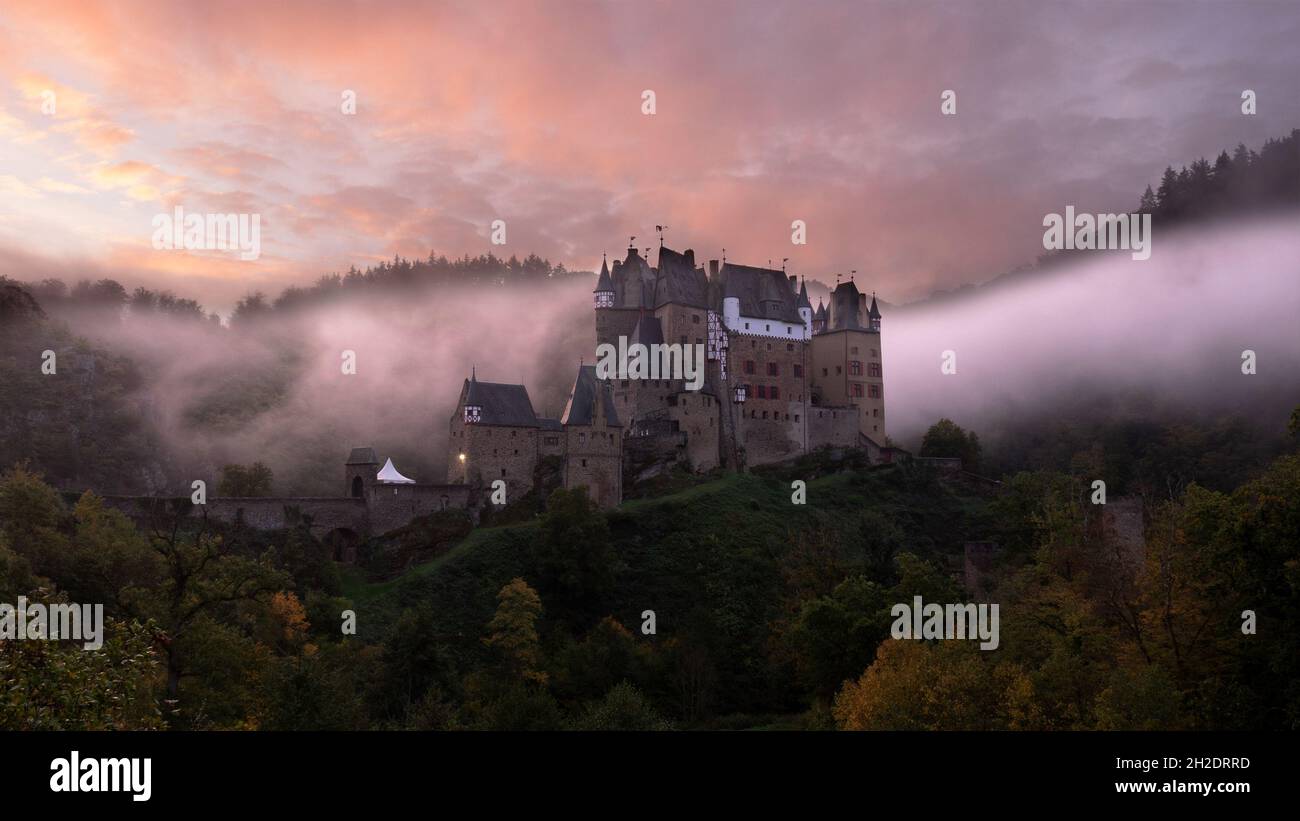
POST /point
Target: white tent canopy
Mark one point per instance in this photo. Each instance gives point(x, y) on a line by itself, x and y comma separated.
point(390, 476)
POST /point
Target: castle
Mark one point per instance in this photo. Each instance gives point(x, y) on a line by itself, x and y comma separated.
point(780, 379)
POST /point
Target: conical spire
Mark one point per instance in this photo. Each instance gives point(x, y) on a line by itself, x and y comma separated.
point(803, 295)
point(605, 282)
point(873, 312)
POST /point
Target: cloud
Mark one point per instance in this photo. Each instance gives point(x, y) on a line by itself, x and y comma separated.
point(766, 112)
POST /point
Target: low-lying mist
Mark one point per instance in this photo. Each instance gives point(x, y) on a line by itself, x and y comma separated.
point(1107, 333)
point(274, 389)
point(1134, 337)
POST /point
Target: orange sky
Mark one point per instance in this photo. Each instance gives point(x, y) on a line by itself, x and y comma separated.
point(531, 113)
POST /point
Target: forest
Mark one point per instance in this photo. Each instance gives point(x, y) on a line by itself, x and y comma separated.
point(703, 602)
point(719, 605)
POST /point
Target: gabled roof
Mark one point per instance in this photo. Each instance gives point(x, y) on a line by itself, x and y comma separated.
point(678, 280)
point(501, 404)
point(846, 303)
point(581, 408)
point(648, 331)
point(363, 456)
point(634, 282)
point(389, 475)
point(764, 293)
point(821, 310)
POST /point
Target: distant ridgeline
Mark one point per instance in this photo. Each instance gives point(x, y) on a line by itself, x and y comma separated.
point(109, 296)
point(1243, 183)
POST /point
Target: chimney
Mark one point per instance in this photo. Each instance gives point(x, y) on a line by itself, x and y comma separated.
point(862, 307)
point(713, 269)
point(794, 283)
point(690, 257)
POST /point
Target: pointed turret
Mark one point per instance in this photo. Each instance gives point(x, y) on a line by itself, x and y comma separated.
point(604, 293)
point(873, 314)
point(805, 310)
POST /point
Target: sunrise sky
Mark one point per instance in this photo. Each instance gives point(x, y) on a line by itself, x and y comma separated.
point(766, 112)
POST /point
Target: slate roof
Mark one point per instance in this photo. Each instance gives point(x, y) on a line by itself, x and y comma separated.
point(821, 311)
point(845, 305)
point(803, 297)
point(362, 456)
point(582, 399)
point(679, 281)
point(549, 424)
point(764, 293)
point(648, 331)
point(874, 313)
point(502, 404)
point(604, 283)
point(634, 282)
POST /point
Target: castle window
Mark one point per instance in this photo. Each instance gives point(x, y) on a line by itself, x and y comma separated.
point(584, 462)
point(772, 369)
point(838, 370)
point(764, 414)
point(855, 368)
point(873, 369)
point(503, 471)
point(513, 433)
point(516, 451)
point(769, 330)
point(776, 394)
point(824, 372)
point(855, 388)
point(582, 438)
point(796, 417)
point(762, 391)
point(695, 318)
point(747, 326)
point(789, 346)
point(769, 346)
point(798, 371)
point(875, 412)
point(749, 366)
point(873, 391)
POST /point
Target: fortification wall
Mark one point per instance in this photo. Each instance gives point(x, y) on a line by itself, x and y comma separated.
point(832, 425)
